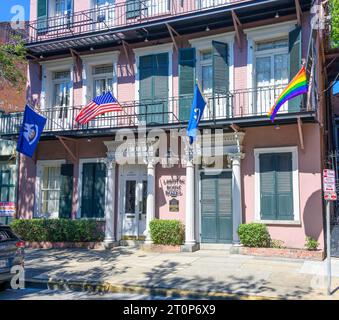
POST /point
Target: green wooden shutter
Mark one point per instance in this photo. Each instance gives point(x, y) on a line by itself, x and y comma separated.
point(66, 191)
point(220, 81)
point(186, 81)
point(99, 190)
point(284, 186)
point(208, 208)
point(267, 186)
point(224, 200)
point(160, 89)
point(146, 94)
point(87, 190)
point(294, 40)
point(42, 14)
point(153, 88)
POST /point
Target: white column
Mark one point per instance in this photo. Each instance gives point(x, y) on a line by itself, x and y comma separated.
point(150, 209)
point(189, 218)
point(236, 193)
point(110, 237)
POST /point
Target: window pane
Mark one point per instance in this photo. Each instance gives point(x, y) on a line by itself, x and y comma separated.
point(5, 177)
point(99, 87)
point(4, 194)
point(130, 197)
point(263, 71)
point(206, 79)
point(281, 68)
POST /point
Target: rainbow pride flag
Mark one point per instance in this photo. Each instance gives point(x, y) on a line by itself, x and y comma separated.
point(296, 87)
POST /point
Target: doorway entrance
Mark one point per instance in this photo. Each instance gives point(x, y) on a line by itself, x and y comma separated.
point(133, 191)
point(216, 207)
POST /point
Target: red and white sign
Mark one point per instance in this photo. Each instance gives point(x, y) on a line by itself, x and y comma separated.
point(330, 193)
point(7, 208)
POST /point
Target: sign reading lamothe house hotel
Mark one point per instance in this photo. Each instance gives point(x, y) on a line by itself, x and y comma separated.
point(329, 185)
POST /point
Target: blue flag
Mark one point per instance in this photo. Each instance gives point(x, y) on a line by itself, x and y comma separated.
point(32, 126)
point(198, 107)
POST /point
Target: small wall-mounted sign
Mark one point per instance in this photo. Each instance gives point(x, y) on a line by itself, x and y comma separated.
point(330, 193)
point(174, 205)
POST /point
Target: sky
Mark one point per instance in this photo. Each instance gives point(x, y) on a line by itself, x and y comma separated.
point(7, 5)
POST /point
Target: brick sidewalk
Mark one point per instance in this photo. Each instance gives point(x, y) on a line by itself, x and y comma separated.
point(202, 271)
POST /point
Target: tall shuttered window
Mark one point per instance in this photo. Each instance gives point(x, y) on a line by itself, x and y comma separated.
point(276, 186)
point(93, 190)
point(153, 88)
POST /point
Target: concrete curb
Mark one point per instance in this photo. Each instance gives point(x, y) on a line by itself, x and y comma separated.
point(106, 287)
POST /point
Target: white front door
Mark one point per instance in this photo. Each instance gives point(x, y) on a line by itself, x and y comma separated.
point(134, 196)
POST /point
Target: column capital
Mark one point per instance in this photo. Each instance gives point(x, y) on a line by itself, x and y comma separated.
point(236, 156)
point(110, 160)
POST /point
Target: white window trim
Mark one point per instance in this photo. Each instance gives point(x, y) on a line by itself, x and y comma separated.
point(90, 61)
point(39, 171)
point(81, 163)
point(48, 67)
point(162, 48)
point(267, 32)
point(295, 182)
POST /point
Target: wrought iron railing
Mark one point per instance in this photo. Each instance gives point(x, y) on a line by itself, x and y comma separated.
point(108, 17)
point(161, 112)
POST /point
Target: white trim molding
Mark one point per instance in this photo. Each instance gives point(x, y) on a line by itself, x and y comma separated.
point(40, 164)
point(81, 163)
point(295, 182)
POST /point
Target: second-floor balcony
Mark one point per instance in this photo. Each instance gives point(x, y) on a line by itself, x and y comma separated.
point(247, 107)
point(137, 20)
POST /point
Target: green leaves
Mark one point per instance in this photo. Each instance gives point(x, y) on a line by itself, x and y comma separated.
point(311, 243)
point(58, 230)
point(254, 235)
point(334, 8)
point(167, 232)
point(12, 62)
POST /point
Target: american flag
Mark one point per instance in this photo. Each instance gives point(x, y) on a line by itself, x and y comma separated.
point(99, 105)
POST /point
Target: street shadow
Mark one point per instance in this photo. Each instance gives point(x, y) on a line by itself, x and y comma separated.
point(104, 266)
point(163, 277)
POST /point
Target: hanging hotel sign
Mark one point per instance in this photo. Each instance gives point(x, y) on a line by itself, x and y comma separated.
point(330, 193)
point(7, 209)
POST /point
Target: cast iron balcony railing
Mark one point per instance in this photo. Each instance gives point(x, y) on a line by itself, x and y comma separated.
point(234, 106)
point(108, 17)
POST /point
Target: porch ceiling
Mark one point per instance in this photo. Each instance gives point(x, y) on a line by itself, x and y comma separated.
point(215, 18)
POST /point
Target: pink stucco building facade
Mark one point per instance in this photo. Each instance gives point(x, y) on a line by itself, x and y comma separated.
point(150, 58)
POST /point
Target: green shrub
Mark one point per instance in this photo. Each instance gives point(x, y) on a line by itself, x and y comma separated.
point(254, 235)
point(277, 244)
point(311, 243)
point(58, 230)
point(167, 232)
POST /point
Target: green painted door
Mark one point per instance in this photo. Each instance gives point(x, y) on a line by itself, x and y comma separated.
point(153, 88)
point(216, 208)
